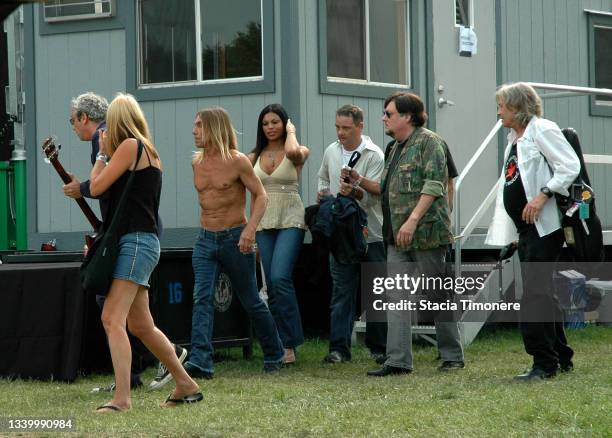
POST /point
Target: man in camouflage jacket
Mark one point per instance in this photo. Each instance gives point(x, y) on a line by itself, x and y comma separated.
point(416, 227)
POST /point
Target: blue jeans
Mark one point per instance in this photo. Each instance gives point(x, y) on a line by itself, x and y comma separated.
point(138, 256)
point(279, 249)
point(346, 281)
point(215, 250)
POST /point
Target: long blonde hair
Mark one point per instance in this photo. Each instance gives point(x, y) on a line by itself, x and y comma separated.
point(124, 120)
point(218, 132)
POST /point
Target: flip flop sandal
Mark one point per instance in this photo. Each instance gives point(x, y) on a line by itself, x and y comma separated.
point(188, 399)
point(111, 407)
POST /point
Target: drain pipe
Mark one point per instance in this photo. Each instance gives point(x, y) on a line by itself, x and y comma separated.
point(6, 173)
point(18, 159)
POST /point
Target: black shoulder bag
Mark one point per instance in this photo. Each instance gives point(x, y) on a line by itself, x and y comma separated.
point(580, 223)
point(99, 264)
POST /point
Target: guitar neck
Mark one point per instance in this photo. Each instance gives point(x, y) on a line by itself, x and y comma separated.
point(85, 208)
point(61, 171)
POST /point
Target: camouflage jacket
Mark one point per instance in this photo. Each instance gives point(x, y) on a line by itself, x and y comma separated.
point(421, 169)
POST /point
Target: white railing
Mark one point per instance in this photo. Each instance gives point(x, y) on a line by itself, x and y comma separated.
point(462, 235)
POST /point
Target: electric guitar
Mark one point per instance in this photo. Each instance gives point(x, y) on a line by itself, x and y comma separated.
point(52, 153)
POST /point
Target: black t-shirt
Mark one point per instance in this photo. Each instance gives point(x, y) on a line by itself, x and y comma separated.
point(387, 229)
point(514, 193)
point(450, 163)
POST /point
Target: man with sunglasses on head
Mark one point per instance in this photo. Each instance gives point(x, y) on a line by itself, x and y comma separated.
point(416, 227)
point(87, 118)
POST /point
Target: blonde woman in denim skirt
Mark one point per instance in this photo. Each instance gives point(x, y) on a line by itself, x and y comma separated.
point(127, 301)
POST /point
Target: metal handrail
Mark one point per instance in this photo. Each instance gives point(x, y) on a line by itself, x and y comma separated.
point(456, 200)
point(460, 236)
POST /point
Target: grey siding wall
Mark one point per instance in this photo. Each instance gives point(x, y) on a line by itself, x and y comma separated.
point(318, 110)
point(547, 41)
point(67, 65)
point(70, 64)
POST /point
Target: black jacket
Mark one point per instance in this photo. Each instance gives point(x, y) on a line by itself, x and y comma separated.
point(343, 223)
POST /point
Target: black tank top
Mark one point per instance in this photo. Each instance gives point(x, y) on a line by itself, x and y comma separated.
point(142, 206)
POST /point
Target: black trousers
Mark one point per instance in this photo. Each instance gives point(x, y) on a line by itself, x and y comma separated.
point(376, 332)
point(541, 318)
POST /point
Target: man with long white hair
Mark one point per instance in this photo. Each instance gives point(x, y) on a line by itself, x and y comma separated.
point(539, 162)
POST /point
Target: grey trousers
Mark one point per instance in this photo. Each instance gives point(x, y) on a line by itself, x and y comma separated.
point(399, 334)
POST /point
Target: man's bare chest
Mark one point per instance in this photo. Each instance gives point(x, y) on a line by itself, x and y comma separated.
point(215, 177)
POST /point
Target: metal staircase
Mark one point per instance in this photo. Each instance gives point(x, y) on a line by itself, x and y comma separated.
point(502, 275)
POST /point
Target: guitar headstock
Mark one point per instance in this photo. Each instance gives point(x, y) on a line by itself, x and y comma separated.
point(50, 149)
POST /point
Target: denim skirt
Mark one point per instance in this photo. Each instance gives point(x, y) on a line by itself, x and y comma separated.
point(138, 256)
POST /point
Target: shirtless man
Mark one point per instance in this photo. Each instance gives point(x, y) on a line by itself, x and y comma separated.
point(226, 241)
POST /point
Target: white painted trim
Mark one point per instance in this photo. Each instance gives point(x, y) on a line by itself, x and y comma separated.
point(408, 63)
point(363, 82)
point(367, 39)
point(597, 159)
point(97, 6)
point(198, 47)
point(604, 13)
point(192, 83)
point(470, 14)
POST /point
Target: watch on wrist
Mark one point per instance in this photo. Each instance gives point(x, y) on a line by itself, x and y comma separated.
point(102, 157)
point(547, 191)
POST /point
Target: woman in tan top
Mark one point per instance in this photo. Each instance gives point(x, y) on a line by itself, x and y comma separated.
point(278, 159)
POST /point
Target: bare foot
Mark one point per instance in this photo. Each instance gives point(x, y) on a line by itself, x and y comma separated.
point(188, 392)
point(111, 407)
point(187, 399)
point(187, 388)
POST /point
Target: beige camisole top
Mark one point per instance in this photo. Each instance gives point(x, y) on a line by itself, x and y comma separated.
point(285, 208)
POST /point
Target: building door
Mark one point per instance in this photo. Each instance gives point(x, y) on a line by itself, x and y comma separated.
point(464, 92)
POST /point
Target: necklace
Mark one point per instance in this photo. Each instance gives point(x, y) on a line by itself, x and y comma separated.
point(272, 157)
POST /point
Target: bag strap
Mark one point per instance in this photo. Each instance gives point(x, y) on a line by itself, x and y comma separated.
point(123, 200)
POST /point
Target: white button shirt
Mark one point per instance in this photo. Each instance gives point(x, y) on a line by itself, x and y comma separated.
point(545, 158)
point(370, 166)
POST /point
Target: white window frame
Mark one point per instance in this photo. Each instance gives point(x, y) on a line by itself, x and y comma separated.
point(597, 19)
point(96, 3)
point(199, 65)
point(603, 103)
point(470, 14)
point(367, 81)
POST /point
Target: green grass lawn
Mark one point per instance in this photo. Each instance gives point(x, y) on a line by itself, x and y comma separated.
point(316, 399)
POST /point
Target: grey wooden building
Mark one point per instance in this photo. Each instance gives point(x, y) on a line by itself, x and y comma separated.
point(310, 55)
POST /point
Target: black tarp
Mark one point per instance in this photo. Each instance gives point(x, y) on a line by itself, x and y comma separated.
point(8, 6)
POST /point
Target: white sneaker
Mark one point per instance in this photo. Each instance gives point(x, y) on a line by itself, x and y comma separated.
point(163, 375)
point(263, 294)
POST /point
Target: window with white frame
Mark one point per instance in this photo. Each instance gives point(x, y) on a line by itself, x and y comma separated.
point(368, 41)
point(65, 10)
point(193, 41)
point(600, 60)
point(602, 57)
point(463, 13)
